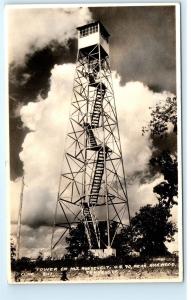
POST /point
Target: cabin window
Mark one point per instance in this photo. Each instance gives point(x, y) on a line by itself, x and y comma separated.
point(88, 30)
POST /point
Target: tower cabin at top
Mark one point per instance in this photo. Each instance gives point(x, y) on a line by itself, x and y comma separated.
point(93, 34)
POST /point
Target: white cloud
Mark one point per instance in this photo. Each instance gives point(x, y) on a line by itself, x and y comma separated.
point(133, 101)
point(31, 29)
point(42, 148)
point(33, 240)
point(142, 194)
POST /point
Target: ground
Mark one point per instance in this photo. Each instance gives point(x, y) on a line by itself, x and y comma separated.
point(158, 269)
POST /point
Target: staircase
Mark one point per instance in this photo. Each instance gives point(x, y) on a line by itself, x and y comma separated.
point(96, 113)
point(92, 140)
point(99, 167)
point(88, 221)
point(102, 154)
point(98, 174)
point(92, 229)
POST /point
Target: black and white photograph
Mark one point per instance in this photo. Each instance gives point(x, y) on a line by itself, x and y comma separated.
point(94, 148)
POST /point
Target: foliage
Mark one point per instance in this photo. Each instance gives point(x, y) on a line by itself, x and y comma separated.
point(123, 242)
point(40, 256)
point(166, 190)
point(161, 117)
point(163, 132)
point(78, 243)
point(13, 251)
point(150, 229)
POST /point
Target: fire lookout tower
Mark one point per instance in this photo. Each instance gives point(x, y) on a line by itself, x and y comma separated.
point(92, 188)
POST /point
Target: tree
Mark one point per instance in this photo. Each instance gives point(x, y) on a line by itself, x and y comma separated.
point(40, 256)
point(123, 242)
point(77, 241)
point(13, 251)
point(163, 133)
point(167, 190)
point(150, 229)
point(163, 115)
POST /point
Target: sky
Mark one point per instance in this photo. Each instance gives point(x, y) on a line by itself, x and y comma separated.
point(42, 48)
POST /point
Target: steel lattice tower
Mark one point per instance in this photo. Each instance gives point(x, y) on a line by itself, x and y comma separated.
point(92, 186)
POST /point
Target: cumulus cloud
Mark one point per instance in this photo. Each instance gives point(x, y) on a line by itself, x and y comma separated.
point(133, 101)
point(33, 240)
point(43, 149)
point(44, 144)
point(31, 29)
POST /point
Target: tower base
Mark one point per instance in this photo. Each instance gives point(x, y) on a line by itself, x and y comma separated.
point(103, 253)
